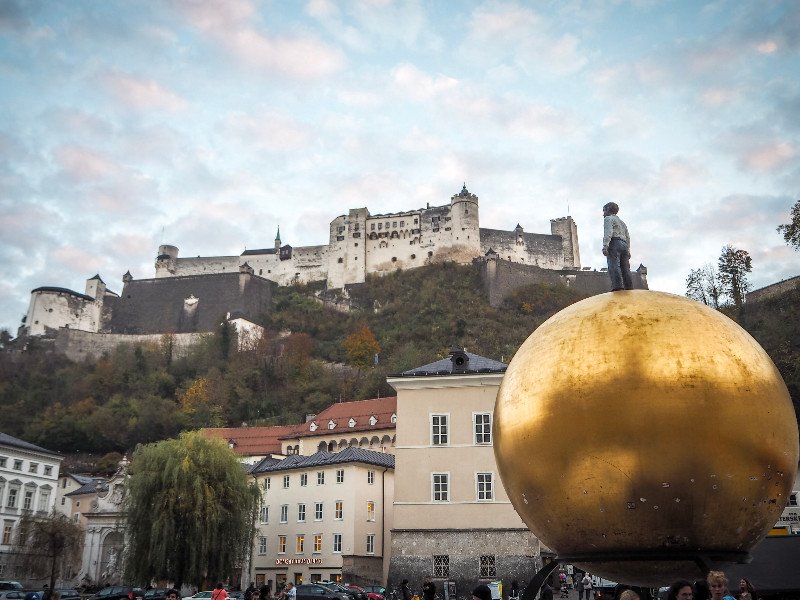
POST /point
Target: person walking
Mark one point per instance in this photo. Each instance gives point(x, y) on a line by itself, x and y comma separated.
point(428, 589)
point(617, 248)
point(579, 587)
point(405, 591)
point(219, 592)
point(587, 586)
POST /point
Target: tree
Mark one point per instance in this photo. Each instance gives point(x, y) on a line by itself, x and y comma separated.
point(703, 285)
point(361, 347)
point(734, 265)
point(190, 511)
point(791, 230)
point(51, 542)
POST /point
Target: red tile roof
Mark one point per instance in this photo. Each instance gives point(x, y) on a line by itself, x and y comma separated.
point(253, 441)
point(341, 413)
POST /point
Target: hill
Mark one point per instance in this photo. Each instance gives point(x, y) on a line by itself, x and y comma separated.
point(302, 364)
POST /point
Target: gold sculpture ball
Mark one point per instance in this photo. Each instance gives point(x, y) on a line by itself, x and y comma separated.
point(642, 435)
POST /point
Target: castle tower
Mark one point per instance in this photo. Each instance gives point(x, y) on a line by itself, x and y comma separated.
point(278, 239)
point(465, 222)
point(568, 230)
point(166, 260)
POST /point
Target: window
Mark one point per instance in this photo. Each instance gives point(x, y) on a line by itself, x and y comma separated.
point(320, 477)
point(338, 510)
point(33, 467)
point(440, 487)
point(370, 477)
point(285, 481)
point(12, 498)
point(792, 500)
point(281, 544)
point(318, 511)
point(337, 542)
point(18, 465)
point(76, 517)
point(8, 528)
point(3, 461)
point(27, 500)
point(44, 500)
point(371, 543)
point(48, 470)
point(264, 514)
point(487, 566)
point(284, 513)
point(483, 428)
point(262, 544)
point(339, 475)
point(267, 483)
point(301, 513)
point(303, 479)
point(317, 543)
point(485, 486)
point(370, 510)
point(441, 565)
point(300, 543)
point(63, 501)
point(439, 430)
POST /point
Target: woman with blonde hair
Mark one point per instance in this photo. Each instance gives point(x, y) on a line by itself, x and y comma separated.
point(718, 586)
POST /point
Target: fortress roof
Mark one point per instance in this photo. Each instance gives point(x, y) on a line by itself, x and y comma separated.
point(476, 365)
point(60, 290)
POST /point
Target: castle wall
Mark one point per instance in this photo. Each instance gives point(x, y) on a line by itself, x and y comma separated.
point(51, 309)
point(774, 289)
point(78, 345)
point(204, 265)
point(347, 254)
point(541, 250)
point(568, 230)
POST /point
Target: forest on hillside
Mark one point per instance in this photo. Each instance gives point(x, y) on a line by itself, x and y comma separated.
point(309, 357)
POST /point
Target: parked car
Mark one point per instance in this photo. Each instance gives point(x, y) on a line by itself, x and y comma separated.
point(353, 594)
point(119, 592)
point(375, 589)
point(10, 585)
point(314, 591)
point(12, 595)
point(155, 594)
point(237, 595)
point(369, 595)
point(206, 595)
point(68, 593)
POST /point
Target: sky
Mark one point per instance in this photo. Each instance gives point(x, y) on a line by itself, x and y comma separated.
point(208, 124)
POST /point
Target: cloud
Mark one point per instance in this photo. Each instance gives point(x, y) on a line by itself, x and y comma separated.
point(419, 86)
point(229, 24)
point(141, 93)
point(758, 151)
point(681, 171)
point(271, 131)
point(81, 164)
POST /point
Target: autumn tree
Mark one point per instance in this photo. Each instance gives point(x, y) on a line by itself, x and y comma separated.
point(361, 347)
point(190, 511)
point(49, 545)
point(791, 230)
point(198, 407)
point(734, 265)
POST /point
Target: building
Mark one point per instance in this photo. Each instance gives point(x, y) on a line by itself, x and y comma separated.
point(361, 243)
point(28, 480)
point(453, 520)
point(326, 516)
point(68, 483)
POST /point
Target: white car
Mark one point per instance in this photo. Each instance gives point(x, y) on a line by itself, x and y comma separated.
point(199, 596)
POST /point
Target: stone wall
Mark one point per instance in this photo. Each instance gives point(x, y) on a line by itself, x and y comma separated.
point(774, 289)
point(78, 345)
point(516, 552)
point(362, 570)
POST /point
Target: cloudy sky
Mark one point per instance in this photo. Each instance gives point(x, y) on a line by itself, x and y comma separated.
point(208, 124)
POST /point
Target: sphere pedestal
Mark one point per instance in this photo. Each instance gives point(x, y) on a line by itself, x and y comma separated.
point(642, 435)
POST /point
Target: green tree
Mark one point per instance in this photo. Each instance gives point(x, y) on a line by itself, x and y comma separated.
point(791, 230)
point(190, 511)
point(703, 285)
point(734, 265)
point(49, 545)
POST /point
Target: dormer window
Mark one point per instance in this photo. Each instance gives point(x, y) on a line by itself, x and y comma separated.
point(394, 418)
point(351, 422)
point(331, 424)
point(313, 426)
point(372, 420)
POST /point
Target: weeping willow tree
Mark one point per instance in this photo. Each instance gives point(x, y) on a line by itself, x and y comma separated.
point(190, 509)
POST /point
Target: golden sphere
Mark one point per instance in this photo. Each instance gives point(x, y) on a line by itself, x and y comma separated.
point(641, 424)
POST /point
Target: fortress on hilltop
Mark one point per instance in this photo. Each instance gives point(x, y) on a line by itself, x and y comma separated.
point(189, 296)
point(360, 243)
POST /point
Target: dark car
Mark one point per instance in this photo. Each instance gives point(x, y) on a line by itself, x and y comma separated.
point(338, 587)
point(368, 595)
point(10, 585)
point(155, 594)
point(313, 591)
point(119, 592)
point(68, 593)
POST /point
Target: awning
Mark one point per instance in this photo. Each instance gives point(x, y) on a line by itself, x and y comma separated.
point(775, 567)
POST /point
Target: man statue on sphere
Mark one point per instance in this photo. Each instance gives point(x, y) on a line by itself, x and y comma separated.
point(617, 248)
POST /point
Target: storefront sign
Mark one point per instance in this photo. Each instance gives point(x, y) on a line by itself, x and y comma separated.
point(298, 561)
